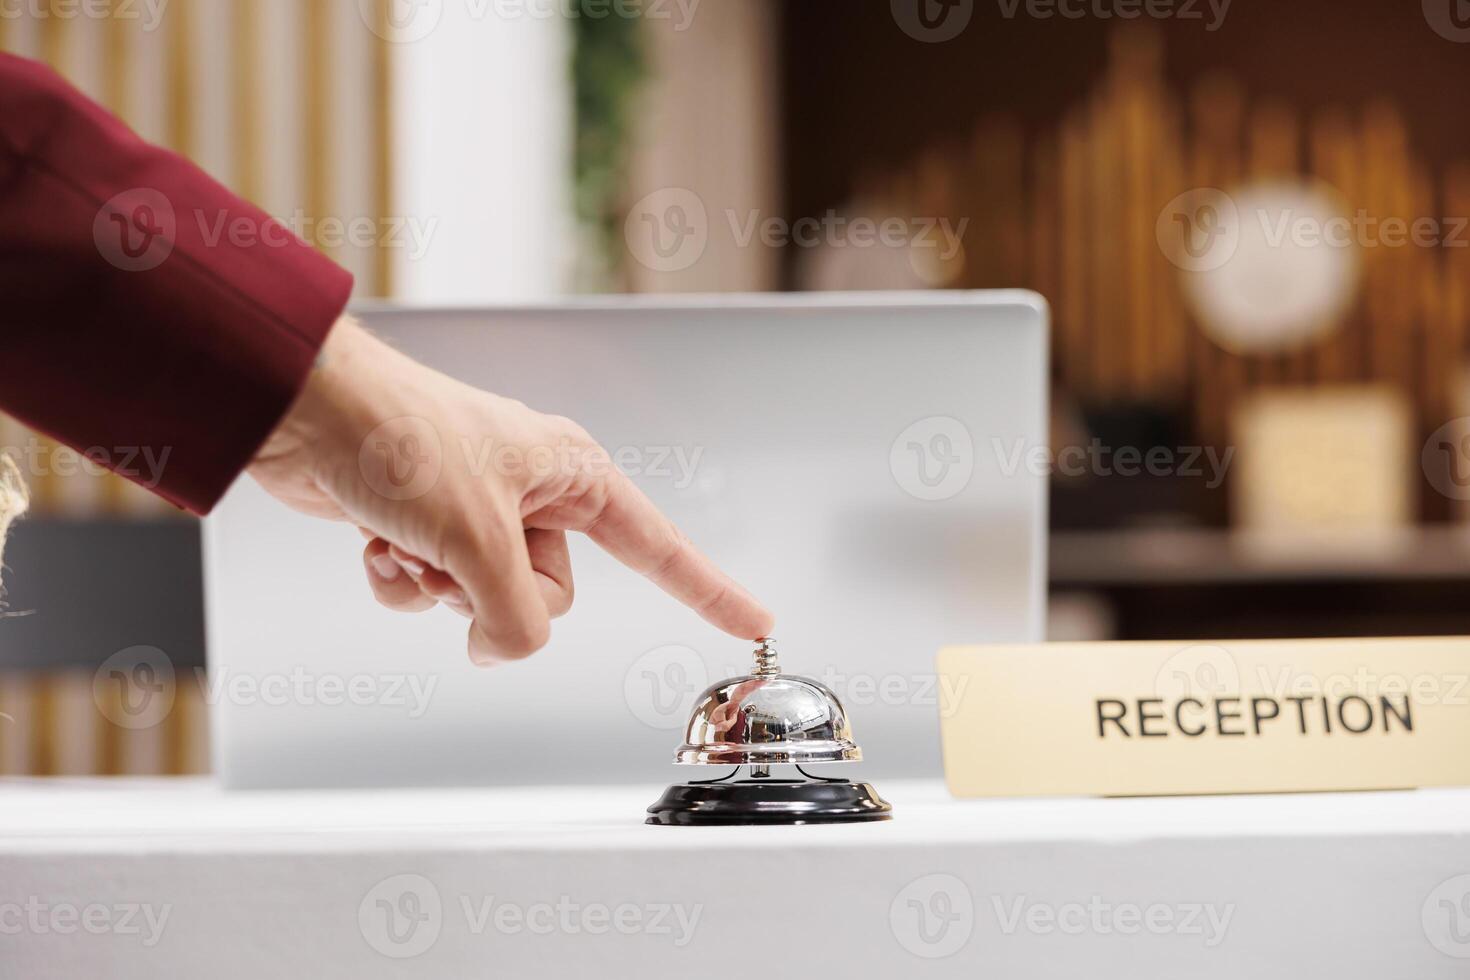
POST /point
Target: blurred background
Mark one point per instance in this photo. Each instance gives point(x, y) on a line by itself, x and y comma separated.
point(1250, 220)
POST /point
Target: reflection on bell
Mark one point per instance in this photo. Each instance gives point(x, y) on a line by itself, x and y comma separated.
point(762, 720)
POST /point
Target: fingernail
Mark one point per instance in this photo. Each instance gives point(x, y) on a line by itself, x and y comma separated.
point(415, 568)
point(388, 570)
point(456, 597)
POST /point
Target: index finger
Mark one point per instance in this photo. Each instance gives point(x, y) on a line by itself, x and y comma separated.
point(630, 528)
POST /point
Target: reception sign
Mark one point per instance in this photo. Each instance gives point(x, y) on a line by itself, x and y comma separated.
point(1258, 716)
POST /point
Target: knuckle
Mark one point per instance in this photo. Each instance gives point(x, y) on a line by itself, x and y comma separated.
point(715, 599)
point(494, 404)
point(519, 642)
point(569, 429)
point(671, 549)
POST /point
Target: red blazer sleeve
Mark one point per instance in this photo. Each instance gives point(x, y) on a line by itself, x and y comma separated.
point(141, 303)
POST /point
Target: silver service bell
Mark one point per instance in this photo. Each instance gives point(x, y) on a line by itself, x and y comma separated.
point(761, 720)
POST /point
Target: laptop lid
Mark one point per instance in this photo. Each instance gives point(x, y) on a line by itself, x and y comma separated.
point(862, 462)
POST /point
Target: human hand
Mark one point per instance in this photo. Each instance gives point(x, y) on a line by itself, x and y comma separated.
point(367, 442)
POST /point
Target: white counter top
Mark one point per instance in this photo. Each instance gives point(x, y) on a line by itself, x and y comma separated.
point(504, 882)
point(123, 815)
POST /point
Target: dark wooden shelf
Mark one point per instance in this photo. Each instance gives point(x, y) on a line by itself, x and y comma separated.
point(1216, 584)
point(1202, 556)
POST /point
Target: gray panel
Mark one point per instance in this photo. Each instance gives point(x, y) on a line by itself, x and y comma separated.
point(78, 591)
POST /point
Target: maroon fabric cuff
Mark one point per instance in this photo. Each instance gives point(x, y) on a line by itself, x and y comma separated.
point(143, 306)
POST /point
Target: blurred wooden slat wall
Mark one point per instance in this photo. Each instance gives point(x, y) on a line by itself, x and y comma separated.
point(1093, 186)
point(284, 101)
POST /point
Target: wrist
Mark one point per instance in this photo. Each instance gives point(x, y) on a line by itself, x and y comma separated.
point(326, 408)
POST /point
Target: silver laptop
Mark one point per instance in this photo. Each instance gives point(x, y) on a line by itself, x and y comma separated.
point(865, 463)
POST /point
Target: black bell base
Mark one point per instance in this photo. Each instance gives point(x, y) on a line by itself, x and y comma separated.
point(768, 801)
